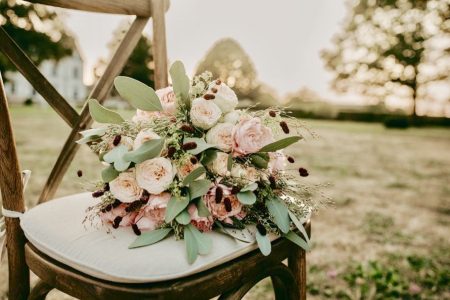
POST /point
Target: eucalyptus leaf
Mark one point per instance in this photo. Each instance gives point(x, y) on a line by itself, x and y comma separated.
point(199, 188)
point(109, 174)
point(204, 242)
point(116, 157)
point(180, 81)
point(280, 144)
point(201, 145)
point(230, 162)
point(103, 115)
point(280, 213)
point(251, 187)
point(191, 245)
point(260, 160)
point(243, 235)
point(208, 156)
point(174, 207)
point(138, 94)
point(196, 173)
point(183, 217)
point(299, 225)
point(203, 211)
point(293, 237)
point(147, 150)
point(247, 197)
point(263, 243)
point(100, 131)
point(149, 238)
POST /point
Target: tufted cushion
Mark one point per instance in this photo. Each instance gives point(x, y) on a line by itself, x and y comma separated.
point(56, 229)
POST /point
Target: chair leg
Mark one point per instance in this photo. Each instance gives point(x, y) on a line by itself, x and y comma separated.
point(279, 288)
point(40, 291)
point(297, 264)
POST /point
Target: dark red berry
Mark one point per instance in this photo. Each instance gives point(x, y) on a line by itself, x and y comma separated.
point(235, 190)
point(303, 172)
point(171, 151)
point(136, 229)
point(108, 207)
point(116, 203)
point(209, 96)
point(218, 81)
point(98, 193)
point(219, 194)
point(284, 126)
point(106, 187)
point(189, 146)
point(194, 160)
point(214, 90)
point(187, 128)
point(103, 210)
point(227, 203)
point(273, 182)
point(261, 229)
point(272, 113)
point(79, 173)
point(291, 159)
point(117, 221)
point(116, 140)
point(144, 197)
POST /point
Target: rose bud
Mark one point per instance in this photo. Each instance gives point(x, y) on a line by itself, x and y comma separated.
point(187, 128)
point(272, 113)
point(284, 126)
point(219, 194)
point(116, 140)
point(227, 203)
point(116, 222)
point(303, 172)
point(189, 146)
point(106, 187)
point(214, 90)
point(171, 151)
point(261, 229)
point(290, 159)
point(136, 229)
point(273, 182)
point(79, 173)
point(209, 96)
point(235, 190)
point(98, 193)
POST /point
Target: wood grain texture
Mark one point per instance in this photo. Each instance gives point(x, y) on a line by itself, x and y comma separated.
point(224, 279)
point(40, 291)
point(12, 197)
point(25, 66)
point(140, 8)
point(159, 43)
point(297, 264)
point(100, 92)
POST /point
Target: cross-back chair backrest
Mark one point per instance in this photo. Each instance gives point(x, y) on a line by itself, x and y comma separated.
point(10, 175)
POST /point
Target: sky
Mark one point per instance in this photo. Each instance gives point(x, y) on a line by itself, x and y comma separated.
point(283, 38)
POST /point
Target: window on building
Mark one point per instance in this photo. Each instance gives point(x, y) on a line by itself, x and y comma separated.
point(75, 72)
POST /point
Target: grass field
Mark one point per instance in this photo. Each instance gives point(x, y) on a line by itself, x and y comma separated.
point(385, 237)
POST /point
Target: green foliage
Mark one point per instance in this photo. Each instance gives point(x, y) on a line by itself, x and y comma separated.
point(180, 81)
point(147, 150)
point(150, 237)
point(183, 218)
point(138, 94)
point(263, 243)
point(280, 144)
point(196, 173)
point(116, 157)
point(103, 115)
point(296, 239)
point(174, 207)
point(201, 145)
point(280, 214)
point(246, 197)
point(199, 188)
point(109, 174)
point(24, 23)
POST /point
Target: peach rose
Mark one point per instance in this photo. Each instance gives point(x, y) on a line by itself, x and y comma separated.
point(125, 188)
point(202, 223)
point(224, 208)
point(155, 175)
point(220, 136)
point(249, 136)
point(151, 215)
point(187, 166)
point(144, 136)
point(120, 211)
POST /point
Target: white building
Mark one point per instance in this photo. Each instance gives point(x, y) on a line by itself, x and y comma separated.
point(66, 75)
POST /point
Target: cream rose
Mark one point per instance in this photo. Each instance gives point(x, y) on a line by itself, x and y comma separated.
point(125, 187)
point(204, 113)
point(225, 97)
point(202, 223)
point(168, 100)
point(220, 136)
point(151, 215)
point(187, 166)
point(224, 208)
point(219, 164)
point(144, 136)
point(155, 175)
point(250, 174)
point(249, 136)
point(146, 116)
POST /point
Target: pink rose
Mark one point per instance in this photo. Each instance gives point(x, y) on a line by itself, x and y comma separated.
point(277, 162)
point(119, 211)
point(202, 223)
point(249, 136)
point(224, 208)
point(168, 100)
point(151, 215)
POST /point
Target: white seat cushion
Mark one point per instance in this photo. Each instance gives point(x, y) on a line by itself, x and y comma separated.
point(56, 229)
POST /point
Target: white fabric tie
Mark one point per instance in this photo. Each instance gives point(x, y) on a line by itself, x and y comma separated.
point(10, 214)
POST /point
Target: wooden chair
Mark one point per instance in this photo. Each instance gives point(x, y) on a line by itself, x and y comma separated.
point(231, 280)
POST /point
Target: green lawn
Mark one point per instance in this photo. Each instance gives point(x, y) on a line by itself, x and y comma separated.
point(386, 236)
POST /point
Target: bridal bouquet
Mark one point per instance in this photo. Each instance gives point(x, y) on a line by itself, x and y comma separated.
point(188, 162)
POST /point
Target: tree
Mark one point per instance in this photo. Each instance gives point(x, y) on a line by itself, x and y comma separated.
point(388, 47)
point(36, 29)
point(140, 64)
point(229, 62)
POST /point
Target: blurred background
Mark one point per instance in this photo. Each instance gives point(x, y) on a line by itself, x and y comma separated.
point(370, 77)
